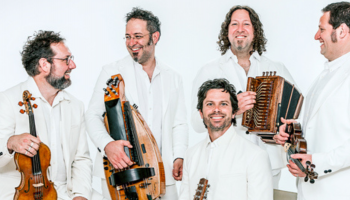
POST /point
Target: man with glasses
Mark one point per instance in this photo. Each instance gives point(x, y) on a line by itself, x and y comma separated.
point(59, 121)
point(157, 91)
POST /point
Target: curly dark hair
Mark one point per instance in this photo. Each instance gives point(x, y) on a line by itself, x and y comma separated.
point(220, 83)
point(37, 47)
point(153, 23)
point(259, 40)
point(339, 13)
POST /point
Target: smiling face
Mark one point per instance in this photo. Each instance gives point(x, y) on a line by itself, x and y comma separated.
point(59, 76)
point(217, 111)
point(327, 37)
point(139, 45)
point(241, 32)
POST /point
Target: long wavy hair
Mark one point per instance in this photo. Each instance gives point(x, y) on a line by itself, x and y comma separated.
point(259, 40)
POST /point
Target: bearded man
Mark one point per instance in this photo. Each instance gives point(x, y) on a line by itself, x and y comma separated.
point(157, 91)
point(234, 167)
point(59, 120)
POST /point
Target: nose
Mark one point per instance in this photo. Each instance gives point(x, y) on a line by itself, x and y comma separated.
point(132, 41)
point(317, 35)
point(72, 65)
point(240, 28)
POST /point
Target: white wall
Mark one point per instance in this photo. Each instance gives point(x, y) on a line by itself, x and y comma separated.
point(94, 32)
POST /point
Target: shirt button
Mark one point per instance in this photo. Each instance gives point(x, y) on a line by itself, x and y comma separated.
point(150, 108)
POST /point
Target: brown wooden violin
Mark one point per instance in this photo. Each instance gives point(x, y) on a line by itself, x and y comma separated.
point(296, 144)
point(34, 182)
point(145, 180)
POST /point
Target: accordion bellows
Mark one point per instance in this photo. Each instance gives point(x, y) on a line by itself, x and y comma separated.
point(275, 98)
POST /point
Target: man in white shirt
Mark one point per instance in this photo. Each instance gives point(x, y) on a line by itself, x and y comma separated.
point(157, 91)
point(326, 116)
point(59, 121)
point(241, 42)
point(234, 167)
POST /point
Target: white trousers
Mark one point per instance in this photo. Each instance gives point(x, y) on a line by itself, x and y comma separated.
point(170, 194)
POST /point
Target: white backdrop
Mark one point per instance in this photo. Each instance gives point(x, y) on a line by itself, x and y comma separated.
point(94, 32)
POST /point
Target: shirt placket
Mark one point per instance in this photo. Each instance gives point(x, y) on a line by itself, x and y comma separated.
point(150, 105)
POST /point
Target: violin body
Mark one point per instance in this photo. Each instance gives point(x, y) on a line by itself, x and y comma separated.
point(145, 180)
point(30, 187)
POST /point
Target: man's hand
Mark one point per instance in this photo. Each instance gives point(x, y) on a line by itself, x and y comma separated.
point(79, 198)
point(294, 169)
point(116, 155)
point(24, 143)
point(246, 101)
point(282, 136)
point(177, 169)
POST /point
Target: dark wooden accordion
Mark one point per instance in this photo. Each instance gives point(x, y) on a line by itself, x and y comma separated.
point(275, 98)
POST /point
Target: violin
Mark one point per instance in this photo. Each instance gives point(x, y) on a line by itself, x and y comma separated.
point(34, 182)
point(145, 179)
point(296, 144)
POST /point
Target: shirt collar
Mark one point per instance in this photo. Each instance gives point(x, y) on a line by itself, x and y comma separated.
point(156, 71)
point(229, 55)
point(332, 65)
point(222, 140)
point(34, 90)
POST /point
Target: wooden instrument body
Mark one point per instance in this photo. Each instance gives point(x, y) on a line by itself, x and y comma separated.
point(275, 98)
point(26, 189)
point(152, 187)
point(202, 190)
point(34, 182)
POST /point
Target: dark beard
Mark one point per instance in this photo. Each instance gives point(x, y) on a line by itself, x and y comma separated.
point(57, 83)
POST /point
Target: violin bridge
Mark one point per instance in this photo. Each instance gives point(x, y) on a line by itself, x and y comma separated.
point(286, 146)
point(38, 185)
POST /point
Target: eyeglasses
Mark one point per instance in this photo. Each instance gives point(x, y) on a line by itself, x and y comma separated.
point(68, 59)
point(136, 37)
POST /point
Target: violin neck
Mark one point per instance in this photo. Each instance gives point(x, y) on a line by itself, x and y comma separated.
point(296, 161)
point(36, 167)
point(32, 125)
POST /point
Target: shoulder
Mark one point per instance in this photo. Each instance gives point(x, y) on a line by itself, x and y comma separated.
point(13, 93)
point(212, 65)
point(198, 148)
point(271, 63)
point(118, 65)
point(74, 102)
point(249, 147)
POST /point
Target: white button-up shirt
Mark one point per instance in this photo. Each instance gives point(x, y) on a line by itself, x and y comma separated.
point(150, 100)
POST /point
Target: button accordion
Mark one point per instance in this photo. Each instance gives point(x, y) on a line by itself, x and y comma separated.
point(275, 98)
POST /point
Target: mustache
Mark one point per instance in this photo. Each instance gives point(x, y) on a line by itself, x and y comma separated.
point(216, 113)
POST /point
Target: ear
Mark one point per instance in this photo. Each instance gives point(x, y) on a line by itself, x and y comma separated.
point(155, 37)
point(44, 66)
point(343, 30)
point(233, 116)
point(200, 112)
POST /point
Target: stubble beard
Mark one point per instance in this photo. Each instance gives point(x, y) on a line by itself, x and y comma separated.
point(213, 128)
